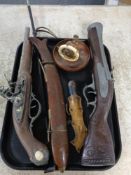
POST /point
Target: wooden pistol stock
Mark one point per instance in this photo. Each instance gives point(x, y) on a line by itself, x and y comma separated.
point(99, 148)
point(37, 151)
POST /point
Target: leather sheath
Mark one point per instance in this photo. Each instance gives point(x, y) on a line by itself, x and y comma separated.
point(56, 106)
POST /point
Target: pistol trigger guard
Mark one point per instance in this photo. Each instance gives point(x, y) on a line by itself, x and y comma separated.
point(84, 94)
point(93, 103)
point(33, 118)
point(92, 91)
point(91, 85)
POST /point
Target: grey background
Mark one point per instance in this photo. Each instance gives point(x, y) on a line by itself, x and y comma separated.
point(53, 2)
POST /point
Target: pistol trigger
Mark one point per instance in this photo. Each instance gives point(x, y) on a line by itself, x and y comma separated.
point(93, 103)
point(32, 107)
point(33, 118)
point(92, 92)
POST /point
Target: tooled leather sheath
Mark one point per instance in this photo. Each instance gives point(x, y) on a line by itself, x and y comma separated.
point(56, 111)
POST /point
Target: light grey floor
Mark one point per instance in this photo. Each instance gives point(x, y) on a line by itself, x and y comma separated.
point(66, 22)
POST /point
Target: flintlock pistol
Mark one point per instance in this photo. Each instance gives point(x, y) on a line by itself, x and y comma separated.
point(37, 151)
point(99, 148)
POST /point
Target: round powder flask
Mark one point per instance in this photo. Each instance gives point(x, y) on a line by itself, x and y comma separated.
point(71, 55)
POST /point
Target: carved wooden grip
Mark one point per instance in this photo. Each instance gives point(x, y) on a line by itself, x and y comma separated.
point(76, 111)
point(99, 148)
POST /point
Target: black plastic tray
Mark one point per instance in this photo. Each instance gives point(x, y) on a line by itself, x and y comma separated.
point(12, 151)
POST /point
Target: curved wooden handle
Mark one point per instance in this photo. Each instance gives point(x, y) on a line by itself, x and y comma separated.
point(76, 111)
point(37, 151)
